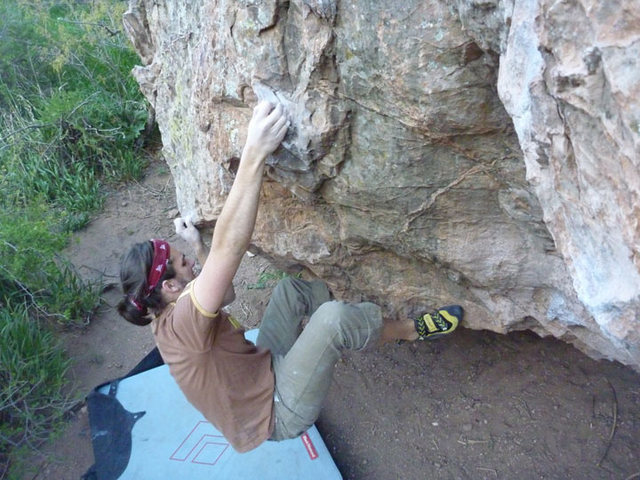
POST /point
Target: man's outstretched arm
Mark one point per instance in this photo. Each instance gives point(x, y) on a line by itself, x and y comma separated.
point(234, 227)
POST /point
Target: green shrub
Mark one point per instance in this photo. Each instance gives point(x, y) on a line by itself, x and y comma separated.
point(70, 119)
point(36, 286)
point(31, 267)
point(268, 279)
point(31, 379)
point(71, 111)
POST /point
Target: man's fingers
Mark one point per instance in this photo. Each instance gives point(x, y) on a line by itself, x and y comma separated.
point(279, 123)
point(262, 109)
point(282, 131)
point(268, 127)
point(275, 115)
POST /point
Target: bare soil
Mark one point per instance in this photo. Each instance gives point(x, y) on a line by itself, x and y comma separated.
point(477, 405)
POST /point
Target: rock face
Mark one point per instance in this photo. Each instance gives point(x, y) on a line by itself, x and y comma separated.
point(473, 151)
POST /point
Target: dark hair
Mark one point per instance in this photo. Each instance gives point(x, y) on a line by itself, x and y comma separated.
point(134, 269)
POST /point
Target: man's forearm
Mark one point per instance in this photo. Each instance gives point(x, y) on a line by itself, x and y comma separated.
point(235, 225)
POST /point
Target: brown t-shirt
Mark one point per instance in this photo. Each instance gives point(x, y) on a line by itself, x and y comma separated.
point(227, 378)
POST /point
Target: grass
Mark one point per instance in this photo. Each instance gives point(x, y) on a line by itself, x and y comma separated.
point(32, 378)
point(33, 271)
point(269, 279)
point(71, 111)
point(71, 116)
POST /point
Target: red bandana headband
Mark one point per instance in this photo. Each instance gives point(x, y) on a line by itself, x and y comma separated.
point(161, 252)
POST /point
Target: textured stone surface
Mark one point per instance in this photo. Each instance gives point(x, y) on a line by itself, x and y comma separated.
point(570, 79)
point(403, 179)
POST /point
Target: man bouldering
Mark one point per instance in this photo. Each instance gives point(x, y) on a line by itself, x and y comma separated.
point(273, 390)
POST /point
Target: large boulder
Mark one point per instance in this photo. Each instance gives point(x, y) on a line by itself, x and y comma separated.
point(473, 151)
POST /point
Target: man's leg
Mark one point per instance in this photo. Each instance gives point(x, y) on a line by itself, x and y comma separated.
point(290, 302)
point(303, 375)
point(304, 363)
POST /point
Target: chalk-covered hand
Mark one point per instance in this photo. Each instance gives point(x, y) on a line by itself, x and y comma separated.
point(187, 231)
point(267, 128)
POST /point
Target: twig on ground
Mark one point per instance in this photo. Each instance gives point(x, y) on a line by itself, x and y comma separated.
point(40, 467)
point(631, 477)
point(158, 193)
point(5, 468)
point(613, 426)
point(526, 405)
point(101, 272)
point(27, 127)
point(465, 441)
point(82, 104)
point(488, 470)
point(28, 293)
point(246, 310)
point(91, 24)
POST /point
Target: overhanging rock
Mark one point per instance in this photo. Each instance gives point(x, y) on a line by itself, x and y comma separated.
point(404, 179)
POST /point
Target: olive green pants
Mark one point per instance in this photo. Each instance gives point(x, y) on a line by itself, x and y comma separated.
point(303, 363)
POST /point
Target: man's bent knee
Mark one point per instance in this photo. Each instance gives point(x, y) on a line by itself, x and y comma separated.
point(331, 314)
point(357, 325)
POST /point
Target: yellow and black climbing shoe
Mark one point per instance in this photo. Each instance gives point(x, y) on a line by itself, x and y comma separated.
point(441, 322)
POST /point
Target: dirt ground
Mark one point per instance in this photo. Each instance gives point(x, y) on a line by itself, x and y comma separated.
point(474, 406)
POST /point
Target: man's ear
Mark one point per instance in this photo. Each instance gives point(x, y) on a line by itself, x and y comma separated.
point(171, 285)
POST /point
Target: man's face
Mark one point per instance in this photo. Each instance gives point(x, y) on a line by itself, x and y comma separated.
point(182, 265)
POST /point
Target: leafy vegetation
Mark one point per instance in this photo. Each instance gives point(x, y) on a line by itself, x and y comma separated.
point(32, 396)
point(70, 119)
point(269, 279)
point(32, 270)
point(71, 111)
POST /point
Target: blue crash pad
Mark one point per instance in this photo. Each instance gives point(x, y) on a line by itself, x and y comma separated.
point(172, 440)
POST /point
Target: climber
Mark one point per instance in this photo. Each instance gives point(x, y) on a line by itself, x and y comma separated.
point(274, 389)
